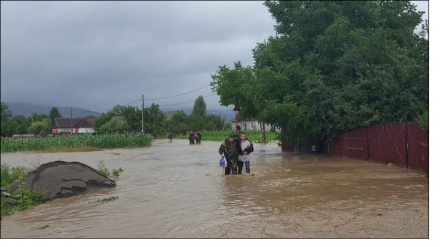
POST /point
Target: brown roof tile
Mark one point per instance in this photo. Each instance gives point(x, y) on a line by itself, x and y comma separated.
point(73, 122)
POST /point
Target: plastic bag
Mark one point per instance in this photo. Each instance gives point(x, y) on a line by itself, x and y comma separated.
point(222, 161)
point(244, 158)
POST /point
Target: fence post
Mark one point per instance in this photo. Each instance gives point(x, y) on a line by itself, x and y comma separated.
point(406, 142)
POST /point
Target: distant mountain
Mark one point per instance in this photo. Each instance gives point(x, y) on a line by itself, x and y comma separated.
point(227, 113)
point(27, 109)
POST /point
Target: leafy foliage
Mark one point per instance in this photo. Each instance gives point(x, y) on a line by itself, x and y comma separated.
point(6, 126)
point(177, 123)
point(104, 170)
point(199, 120)
point(199, 108)
point(10, 174)
point(24, 198)
point(5, 112)
point(54, 113)
point(123, 119)
point(333, 66)
point(42, 127)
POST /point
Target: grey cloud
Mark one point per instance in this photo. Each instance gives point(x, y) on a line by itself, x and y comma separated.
point(94, 54)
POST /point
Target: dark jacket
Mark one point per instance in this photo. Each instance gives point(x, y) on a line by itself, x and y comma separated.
point(249, 149)
point(230, 149)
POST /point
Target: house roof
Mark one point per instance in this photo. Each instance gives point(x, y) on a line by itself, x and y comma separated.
point(73, 122)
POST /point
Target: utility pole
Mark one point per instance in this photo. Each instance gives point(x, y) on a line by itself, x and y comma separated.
point(71, 116)
point(142, 113)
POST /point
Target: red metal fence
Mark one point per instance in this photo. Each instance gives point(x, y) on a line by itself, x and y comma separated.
point(353, 144)
point(418, 147)
point(403, 144)
point(388, 143)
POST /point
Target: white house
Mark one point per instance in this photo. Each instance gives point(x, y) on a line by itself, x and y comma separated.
point(62, 126)
point(248, 124)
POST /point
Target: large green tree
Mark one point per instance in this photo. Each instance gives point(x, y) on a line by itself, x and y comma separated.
point(200, 119)
point(178, 123)
point(119, 119)
point(153, 119)
point(199, 108)
point(237, 87)
point(20, 124)
point(5, 112)
point(115, 125)
point(40, 127)
point(6, 115)
point(333, 66)
point(54, 113)
point(129, 119)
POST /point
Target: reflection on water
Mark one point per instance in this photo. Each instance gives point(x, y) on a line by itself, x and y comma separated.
point(177, 190)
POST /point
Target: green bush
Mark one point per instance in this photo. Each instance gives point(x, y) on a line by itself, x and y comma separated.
point(104, 171)
point(10, 175)
point(24, 198)
point(423, 120)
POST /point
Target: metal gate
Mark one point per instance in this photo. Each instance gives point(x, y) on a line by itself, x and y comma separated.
point(352, 144)
point(376, 143)
point(403, 144)
point(418, 147)
point(387, 143)
point(395, 143)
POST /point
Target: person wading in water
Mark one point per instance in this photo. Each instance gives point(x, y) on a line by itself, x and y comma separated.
point(229, 149)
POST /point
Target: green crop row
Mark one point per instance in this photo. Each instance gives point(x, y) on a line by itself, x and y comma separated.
point(252, 135)
point(106, 141)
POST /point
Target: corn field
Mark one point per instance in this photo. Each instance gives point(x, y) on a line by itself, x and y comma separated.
point(107, 141)
point(252, 135)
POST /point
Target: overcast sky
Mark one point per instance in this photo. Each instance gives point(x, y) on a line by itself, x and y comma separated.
point(95, 55)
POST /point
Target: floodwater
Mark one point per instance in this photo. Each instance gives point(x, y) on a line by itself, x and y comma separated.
point(177, 190)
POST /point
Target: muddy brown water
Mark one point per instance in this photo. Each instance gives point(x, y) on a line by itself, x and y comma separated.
point(177, 190)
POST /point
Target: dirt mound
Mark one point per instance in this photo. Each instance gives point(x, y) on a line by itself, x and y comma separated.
point(60, 179)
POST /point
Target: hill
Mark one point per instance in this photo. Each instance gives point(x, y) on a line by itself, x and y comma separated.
point(228, 114)
point(26, 109)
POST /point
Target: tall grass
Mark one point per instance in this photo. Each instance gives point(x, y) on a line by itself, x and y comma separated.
point(252, 135)
point(75, 142)
point(24, 198)
point(10, 175)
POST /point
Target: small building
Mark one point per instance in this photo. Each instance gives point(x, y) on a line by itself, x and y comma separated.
point(247, 124)
point(66, 126)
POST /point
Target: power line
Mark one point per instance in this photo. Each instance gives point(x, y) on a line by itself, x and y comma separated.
point(180, 103)
point(178, 94)
point(133, 102)
point(138, 100)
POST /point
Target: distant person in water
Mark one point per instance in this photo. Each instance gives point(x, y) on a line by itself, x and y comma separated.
point(199, 137)
point(170, 136)
point(191, 138)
